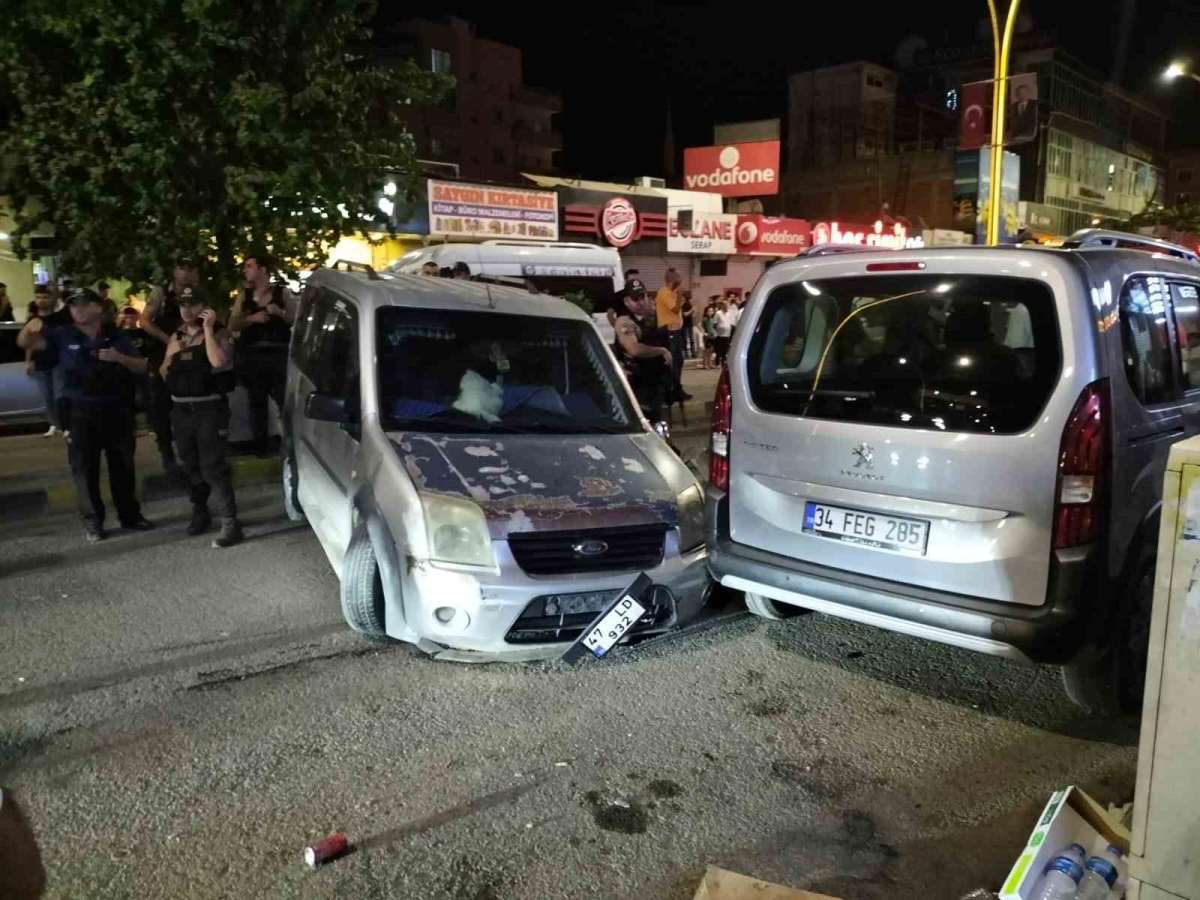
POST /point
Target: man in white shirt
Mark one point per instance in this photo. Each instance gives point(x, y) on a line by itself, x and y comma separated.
point(726, 321)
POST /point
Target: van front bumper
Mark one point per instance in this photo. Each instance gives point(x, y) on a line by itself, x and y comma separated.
point(1050, 633)
point(487, 608)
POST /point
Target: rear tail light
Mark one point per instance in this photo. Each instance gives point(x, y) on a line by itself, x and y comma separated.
point(906, 266)
point(1082, 469)
point(722, 424)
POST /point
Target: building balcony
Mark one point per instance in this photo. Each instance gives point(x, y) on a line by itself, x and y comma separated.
point(548, 139)
point(537, 98)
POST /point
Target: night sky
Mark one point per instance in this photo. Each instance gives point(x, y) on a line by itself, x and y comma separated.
point(618, 65)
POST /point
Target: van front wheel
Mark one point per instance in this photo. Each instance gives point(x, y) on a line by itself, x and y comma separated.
point(770, 609)
point(362, 591)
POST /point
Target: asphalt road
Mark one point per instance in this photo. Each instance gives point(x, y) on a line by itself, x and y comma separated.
point(178, 721)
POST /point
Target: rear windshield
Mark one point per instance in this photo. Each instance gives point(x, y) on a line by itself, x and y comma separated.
point(467, 371)
point(951, 352)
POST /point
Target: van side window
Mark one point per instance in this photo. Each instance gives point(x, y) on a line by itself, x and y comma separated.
point(1186, 299)
point(1146, 339)
point(316, 307)
point(335, 367)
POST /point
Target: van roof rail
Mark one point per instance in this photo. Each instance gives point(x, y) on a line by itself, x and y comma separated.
point(557, 245)
point(1104, 237)
point(350, 265)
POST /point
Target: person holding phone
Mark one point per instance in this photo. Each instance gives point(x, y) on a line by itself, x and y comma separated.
point(198, 372)
point(97, 363)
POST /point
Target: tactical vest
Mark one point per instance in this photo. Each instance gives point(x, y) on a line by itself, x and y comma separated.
point(275, 332)
point(192, 375)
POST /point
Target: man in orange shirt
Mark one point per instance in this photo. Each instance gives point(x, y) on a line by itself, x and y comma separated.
point(668, 307)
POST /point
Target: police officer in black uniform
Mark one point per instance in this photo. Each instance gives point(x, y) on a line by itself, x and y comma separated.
point(198, 372)
point(641, 348)
point(97, 363)
point(261, 321)
point(160, 319)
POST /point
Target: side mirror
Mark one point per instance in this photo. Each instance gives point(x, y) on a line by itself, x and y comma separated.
point(326, 408)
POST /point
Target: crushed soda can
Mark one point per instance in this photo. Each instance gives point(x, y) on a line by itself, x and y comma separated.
point(326, 850)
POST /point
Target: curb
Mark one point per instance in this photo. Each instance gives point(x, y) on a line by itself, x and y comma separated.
point(59, 496)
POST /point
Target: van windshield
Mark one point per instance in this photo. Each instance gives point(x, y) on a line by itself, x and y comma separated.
point(947, 352)
point(467, 371)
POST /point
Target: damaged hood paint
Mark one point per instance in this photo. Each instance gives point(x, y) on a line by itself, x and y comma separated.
point(541, 482)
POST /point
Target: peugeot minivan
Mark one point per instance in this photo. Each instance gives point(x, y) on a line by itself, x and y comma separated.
point(476, 470)
point(962, 444)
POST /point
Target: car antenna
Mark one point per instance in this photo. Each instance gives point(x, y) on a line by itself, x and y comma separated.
point(491, 300)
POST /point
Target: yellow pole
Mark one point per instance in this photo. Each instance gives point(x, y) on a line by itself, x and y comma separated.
point(997, 167)
point(996, 77)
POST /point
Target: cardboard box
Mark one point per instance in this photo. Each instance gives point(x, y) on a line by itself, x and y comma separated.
point(719, 884)
point(1071, 817)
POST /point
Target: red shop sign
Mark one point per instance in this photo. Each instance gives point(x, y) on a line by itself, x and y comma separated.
point(734, 170)
point(617, 222)
point(759, 235)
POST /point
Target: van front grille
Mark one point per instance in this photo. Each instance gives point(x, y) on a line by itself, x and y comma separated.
point(630, 548)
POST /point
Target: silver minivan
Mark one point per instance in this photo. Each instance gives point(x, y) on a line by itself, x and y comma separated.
point(962, 444)
point(476, 469)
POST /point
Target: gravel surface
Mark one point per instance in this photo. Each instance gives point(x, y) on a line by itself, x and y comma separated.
point(181, 722)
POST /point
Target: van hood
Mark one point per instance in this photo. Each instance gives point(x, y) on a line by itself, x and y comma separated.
point(543, 482)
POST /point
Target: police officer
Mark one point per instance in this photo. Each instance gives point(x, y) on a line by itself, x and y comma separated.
point(198, 372)
point(261, 321)
point(640, 347)
point(97, 363)
point(160, 319)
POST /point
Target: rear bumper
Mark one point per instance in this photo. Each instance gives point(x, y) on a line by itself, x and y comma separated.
point(1051, 633)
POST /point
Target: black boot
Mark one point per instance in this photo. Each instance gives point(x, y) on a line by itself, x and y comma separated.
point(231, 533)
point(201, 521)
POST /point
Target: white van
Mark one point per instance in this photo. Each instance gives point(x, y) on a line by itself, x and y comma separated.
point(550, 267)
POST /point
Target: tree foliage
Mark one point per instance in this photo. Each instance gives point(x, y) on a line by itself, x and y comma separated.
point(146, 130)
point(1181, 217)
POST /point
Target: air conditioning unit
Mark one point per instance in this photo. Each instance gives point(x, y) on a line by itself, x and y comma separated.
point(647, 181)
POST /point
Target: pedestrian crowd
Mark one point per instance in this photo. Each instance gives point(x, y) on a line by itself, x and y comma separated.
point(97, 366)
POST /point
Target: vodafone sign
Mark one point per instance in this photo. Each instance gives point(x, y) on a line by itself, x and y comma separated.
point(735, 170)
point(764, 236)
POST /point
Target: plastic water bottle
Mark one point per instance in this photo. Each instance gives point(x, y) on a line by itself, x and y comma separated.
point(1115, 856)
point(1075, 852)
point(1060, 880)
point(1099, 876)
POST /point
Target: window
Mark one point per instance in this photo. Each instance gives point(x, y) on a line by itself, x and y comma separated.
point(954, 353)
point(335, 366)
point(480, 372)
point(307, 328)
point(1187, 329)
point(1146, 339)
point(441, 62)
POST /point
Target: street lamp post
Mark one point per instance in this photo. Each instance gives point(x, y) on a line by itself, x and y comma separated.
point(1175, 70)
point(1001, 47)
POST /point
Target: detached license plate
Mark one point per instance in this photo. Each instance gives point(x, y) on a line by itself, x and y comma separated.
point(855, 526)
point(610, 629)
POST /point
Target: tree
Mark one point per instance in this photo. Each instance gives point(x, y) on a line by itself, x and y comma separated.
point(148, 130)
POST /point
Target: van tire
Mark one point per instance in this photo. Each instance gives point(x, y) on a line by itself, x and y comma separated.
point(1108, 680)
point(362, 590)
point(291, 487)
point(770, 609)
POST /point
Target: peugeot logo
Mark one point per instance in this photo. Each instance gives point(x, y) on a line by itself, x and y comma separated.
point(590, 548)
point(866, 456)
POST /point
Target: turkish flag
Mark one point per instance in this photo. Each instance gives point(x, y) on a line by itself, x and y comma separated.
point(975, 123)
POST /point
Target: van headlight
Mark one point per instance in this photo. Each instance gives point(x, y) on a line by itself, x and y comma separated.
point(458, 532)
point(690, 504)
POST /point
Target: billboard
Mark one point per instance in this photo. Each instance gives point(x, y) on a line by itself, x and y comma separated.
point(490, 212)
point(733, 170)
point(1010, 189)
point(766, 236)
